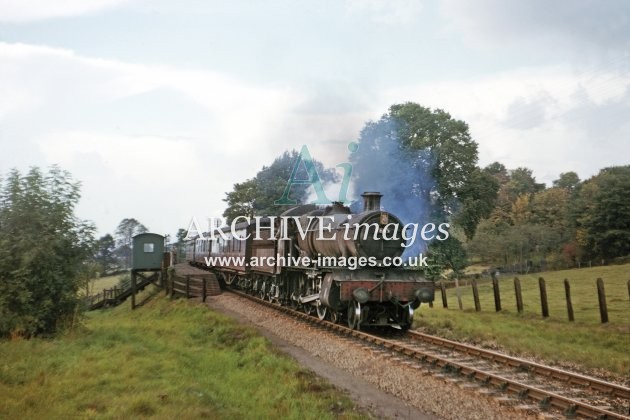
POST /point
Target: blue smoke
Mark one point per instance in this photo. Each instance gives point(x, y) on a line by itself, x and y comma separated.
point(382, 163)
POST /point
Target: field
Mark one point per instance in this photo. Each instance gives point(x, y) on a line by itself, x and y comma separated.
point(96, 285)
point(586, 341)
point(167, 359)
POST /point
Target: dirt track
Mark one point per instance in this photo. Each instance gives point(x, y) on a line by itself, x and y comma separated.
point(370, 379)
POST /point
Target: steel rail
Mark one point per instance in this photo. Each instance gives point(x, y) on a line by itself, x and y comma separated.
point(541, 396)
point(595, 384)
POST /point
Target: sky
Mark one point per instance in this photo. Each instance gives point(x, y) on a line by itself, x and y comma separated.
point(158, 107)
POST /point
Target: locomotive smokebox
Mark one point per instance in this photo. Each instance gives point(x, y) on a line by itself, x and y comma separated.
point(371, 201)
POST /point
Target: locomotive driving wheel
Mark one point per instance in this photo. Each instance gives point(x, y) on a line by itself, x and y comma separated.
point(307, 308)
point(293, 301)
point(321, 310)
point(334, 316)
point(407, 320)
point(354, 315)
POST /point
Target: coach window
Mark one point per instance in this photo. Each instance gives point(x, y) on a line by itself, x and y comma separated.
point(148, 247)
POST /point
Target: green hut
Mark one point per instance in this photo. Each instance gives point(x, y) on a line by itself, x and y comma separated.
point(148, 249)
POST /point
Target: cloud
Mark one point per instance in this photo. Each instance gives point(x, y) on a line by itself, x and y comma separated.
point(129, 159)
point(528, 113)
point(551, 120)
point(388, 12)
point(133, 132)
point(543, 25)
point(23, 11)
point(61, 84)
point(147, 136)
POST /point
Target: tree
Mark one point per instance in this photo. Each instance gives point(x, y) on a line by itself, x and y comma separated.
point(126, 230)
point(478, 197)
point(450, 147)
point(498, 171)
point(423, 161)
point(522, 182)
point(549, 207)
point(181, 235)
point(241, 200)
point(448, 254)
point(43, 247)
point(181, 244)
point(256, 196)
point(521, 210)
point(568, 181)
point(607, 223)
point(104, 256)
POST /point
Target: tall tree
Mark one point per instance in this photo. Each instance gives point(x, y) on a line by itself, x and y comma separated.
point(126, 230)
point(608, 223)
point(181, 235)
point(521, 182)
point(568, 181)
point(424, 162)
point(43, 247)
point(180, 245)
point(104, 256)
point(450, 152)
point(241, 200)
point(498, 171)
point(256, 196)
point(478, 198)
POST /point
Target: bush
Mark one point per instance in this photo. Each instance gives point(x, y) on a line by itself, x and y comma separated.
point(42, 250)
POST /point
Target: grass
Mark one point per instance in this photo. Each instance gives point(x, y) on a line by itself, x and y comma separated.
point(586, 341)
point(99, 283)
point(106, 282)
point(167, 359)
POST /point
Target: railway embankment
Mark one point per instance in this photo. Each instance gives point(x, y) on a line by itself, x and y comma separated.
point(168, 359)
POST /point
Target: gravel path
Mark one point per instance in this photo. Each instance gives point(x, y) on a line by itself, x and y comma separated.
point(359, 370)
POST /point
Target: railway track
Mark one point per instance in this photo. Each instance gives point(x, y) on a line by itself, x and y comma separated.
point(570, 393)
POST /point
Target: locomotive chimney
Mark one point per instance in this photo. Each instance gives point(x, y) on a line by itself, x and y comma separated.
point(371, 201)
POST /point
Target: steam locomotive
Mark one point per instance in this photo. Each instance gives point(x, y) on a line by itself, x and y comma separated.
point(325, 260)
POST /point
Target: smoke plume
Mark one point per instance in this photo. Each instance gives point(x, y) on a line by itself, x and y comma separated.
point(382, 163)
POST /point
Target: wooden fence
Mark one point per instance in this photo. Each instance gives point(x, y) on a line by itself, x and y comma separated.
point(599, 293)
point(193, 285)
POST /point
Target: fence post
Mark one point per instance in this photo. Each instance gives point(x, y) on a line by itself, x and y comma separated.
point(543, 297)
point(628, 289)
point(172, 281)
point(133, 289)
point(567, 292)
point(187, 286)
point(459, 295)
point(443, 291)
point(497, 294)
point(203, 292)
point(476, 296)
point(601, 296)
point(519, 295)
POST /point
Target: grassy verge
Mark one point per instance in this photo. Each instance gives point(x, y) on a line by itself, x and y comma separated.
point(168, 359)
point(586, 341)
